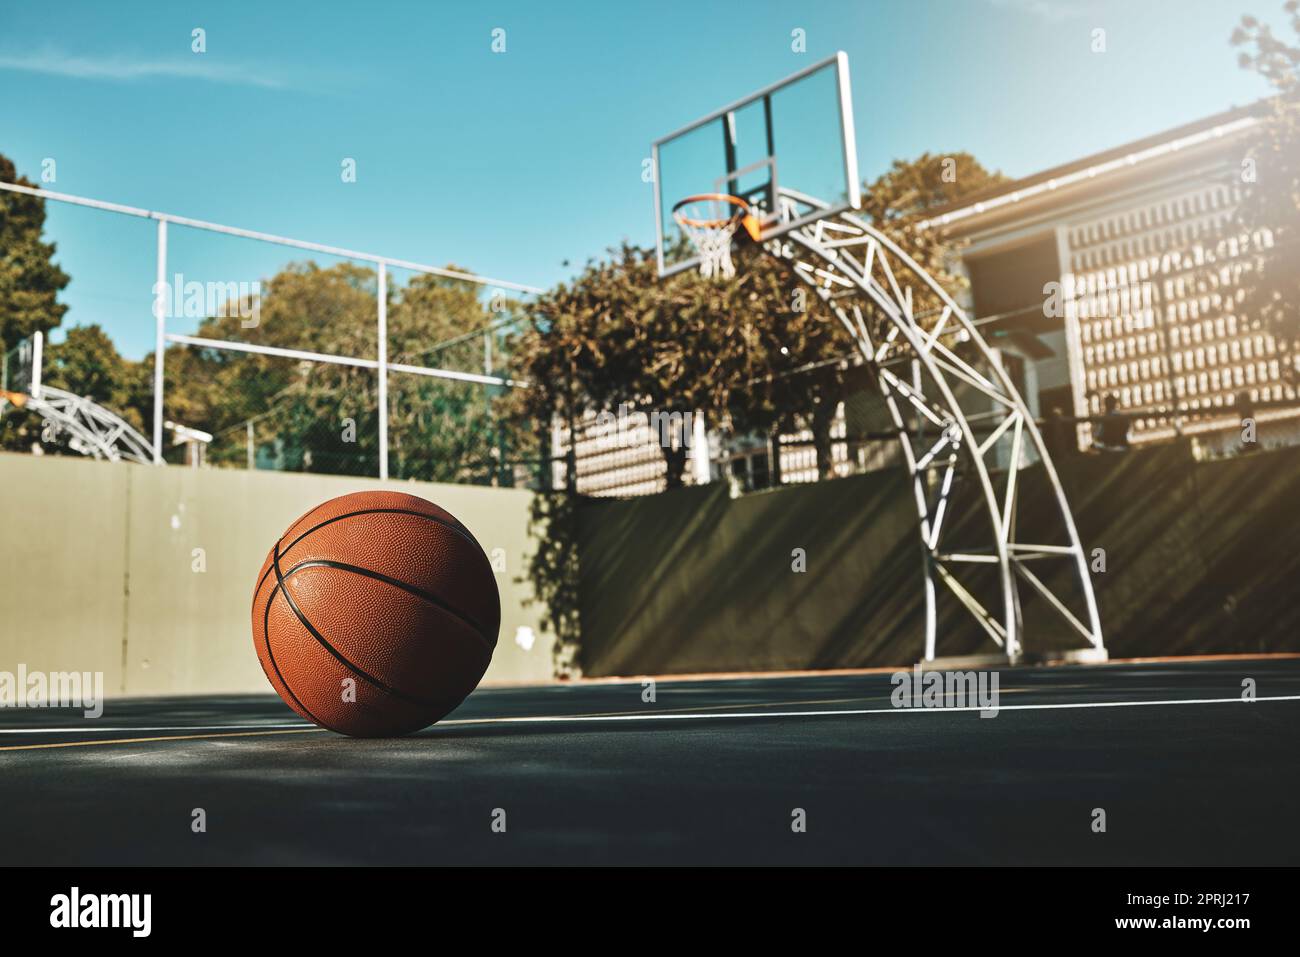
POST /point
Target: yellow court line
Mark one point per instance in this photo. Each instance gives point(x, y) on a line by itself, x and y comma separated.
point(161, 737)
point(462, 721)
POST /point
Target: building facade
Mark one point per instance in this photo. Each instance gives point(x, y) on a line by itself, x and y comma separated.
point(1120, 275)
point(623, 458)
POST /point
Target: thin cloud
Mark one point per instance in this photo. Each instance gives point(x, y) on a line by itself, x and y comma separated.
point(1054, 11)
point(126, 69)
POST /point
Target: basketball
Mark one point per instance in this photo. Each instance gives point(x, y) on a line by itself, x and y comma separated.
point(375, 614)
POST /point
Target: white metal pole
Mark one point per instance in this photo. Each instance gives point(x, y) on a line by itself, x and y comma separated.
point(232, 346)
point(160, 307)
point(269, 238)
point(383, 370)
point(38, 352)
point(700, 449)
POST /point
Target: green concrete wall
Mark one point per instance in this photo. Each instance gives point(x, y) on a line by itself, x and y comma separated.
point(100, 568)
point(693, 580)
point(1200, 558)
point(64, 547)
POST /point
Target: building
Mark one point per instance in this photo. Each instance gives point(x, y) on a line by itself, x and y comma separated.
point(618, 454)
point(614, 459)
point(1117, 274)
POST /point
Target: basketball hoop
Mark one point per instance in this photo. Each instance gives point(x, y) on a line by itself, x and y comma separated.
point(710, 221)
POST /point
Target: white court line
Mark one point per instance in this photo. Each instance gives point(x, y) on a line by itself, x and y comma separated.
point(694, 716)
point(859, 711)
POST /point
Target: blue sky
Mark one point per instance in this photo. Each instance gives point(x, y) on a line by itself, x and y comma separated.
point(512, 164)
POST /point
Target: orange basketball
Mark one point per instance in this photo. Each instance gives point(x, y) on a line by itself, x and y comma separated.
point(375, 614)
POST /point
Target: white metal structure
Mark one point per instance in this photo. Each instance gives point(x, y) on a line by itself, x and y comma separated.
point(379, 363)
point(92, 429)
point(956, 411)
point(965, 414)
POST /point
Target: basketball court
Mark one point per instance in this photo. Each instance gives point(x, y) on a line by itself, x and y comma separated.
point(1187, 761)
point(709, 773)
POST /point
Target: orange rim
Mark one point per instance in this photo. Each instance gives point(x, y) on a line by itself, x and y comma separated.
point(742, 210)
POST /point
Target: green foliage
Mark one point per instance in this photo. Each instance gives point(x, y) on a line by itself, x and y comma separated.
point(758, 354)
point(443, 430)
point(87, 363)
point(553, 570)
point(299, 410)
point(29, 279)
point(1272, 201)
point(616, 335)
point(323, 417)
point(909, 192)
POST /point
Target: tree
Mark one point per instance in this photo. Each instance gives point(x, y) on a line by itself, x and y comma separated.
point(789, 371)
point(804, 351)
point(440, 429)
point(86, 363)
point(618, 336)
point(909, 192)
point(1271, 205)
point(323, 417)
point(29, 280)
point(316, 417)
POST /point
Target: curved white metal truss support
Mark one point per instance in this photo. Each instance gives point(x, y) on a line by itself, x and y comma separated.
point(92, 429)
point(934, 367)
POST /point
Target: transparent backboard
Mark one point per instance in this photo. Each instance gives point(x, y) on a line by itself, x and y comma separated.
point(791, 140)
point(22, 366)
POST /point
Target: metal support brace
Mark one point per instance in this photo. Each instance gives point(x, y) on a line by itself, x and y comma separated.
point(940, 379)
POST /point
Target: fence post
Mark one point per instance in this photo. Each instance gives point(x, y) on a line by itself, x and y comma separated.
point(160, 306)
point(383, 370)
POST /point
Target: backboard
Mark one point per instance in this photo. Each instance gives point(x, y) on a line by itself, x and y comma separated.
point(788, 140)
point(21, 371)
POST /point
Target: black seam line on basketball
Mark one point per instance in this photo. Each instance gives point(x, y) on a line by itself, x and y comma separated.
point(457, 528)
point(434, 600)
point(293, 605)
point(266, 636)
point(462, 532)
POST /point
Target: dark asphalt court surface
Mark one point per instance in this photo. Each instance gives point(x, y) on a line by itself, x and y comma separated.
point(708, 774)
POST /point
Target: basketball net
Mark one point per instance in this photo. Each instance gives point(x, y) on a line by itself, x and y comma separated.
point(710, 221)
